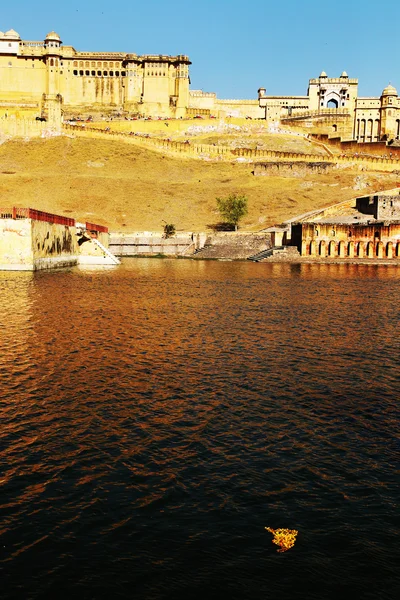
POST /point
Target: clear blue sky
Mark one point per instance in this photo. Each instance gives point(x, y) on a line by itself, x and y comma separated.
point(235, 46)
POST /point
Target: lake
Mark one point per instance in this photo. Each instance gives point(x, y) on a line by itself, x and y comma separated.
point(157, 416)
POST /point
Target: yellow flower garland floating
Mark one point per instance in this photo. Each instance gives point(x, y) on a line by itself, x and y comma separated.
point(284, 538)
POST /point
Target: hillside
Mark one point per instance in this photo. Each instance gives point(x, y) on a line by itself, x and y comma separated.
point(129, 188)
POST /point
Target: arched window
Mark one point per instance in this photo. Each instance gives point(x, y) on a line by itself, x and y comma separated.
point(332, 103)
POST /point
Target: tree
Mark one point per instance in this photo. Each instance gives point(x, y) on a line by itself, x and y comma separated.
point(232, 208)
point(169, 230)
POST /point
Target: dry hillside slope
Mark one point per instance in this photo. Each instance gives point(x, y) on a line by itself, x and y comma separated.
point(129, 188)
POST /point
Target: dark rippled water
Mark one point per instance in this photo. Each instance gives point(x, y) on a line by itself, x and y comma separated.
point(157, 416)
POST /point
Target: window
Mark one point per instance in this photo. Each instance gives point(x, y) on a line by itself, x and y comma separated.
point(111, 73)
point(99, 73)
point(93, 73)
point(105, 73)
point(123, 73)
point(117, 73)
point(87, 73)
point(75, 72)
point(80, 72)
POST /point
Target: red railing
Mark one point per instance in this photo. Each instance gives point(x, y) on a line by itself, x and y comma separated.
point(37, 215)
point(98, 228)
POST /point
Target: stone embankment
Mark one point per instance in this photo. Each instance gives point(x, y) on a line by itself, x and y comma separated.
point(222, 245)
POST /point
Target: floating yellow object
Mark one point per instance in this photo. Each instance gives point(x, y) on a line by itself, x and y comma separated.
point(284, 538)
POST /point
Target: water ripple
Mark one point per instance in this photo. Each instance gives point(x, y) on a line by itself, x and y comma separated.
point(156, 417)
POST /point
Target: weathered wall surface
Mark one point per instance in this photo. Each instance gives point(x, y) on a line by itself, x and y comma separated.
point(16, 251)
point(30, 245)
point(53, 245)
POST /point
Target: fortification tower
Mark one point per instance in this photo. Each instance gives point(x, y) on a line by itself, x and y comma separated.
point(51, 105)
point(133, 83)
point(389, 113)
point(182, 85)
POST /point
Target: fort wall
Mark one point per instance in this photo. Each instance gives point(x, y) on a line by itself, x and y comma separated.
point(215, 152)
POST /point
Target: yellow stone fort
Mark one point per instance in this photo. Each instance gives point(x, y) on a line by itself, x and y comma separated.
point(51, 80)
point(35, 73)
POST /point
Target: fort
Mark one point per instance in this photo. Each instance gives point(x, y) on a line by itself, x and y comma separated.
point(51, 80)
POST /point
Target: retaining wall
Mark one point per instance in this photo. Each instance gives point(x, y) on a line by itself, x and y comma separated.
point(148, 244)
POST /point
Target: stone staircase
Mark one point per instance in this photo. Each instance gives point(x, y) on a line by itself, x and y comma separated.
point(277, 252)
point(232, 246)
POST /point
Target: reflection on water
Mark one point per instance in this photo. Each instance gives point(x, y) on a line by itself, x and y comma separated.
point(157, 416)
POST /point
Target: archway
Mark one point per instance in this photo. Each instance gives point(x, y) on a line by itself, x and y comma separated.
point(332, 103)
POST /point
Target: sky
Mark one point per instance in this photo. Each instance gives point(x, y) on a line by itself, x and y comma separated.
point(235, 47)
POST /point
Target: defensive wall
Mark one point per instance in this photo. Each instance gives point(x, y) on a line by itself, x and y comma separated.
point(352, 147)
point(293, 169)
point(217, 152)
point(390, 161)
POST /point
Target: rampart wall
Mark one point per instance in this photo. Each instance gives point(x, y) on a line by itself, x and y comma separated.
point(31, 128)
point(26, 128)
point(355, 148)
point(214, 152)
point(290, 168)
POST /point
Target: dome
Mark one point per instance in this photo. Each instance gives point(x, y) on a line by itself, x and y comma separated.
point(53, 36)
point(11, 35)
point(323, 74)
point(344, 74)
point(389, 91)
